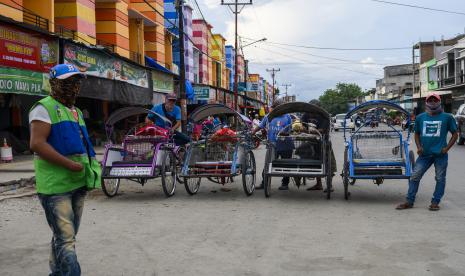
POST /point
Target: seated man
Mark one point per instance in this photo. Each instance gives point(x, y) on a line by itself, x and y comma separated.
point(274, 127)
point(323, 126)
point(172, 112)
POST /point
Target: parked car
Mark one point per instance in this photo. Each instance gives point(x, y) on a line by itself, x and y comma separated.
point(460, 118)
point(339, 123)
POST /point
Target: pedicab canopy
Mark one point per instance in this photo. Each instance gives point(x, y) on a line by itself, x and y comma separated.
point(201, 113)
point(127, 112)
point(299, 107)
point(377, 104)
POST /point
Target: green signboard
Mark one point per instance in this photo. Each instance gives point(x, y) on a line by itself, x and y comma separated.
point(162, 83)
point(202, 92)
point(20, 81)
point(96, 63)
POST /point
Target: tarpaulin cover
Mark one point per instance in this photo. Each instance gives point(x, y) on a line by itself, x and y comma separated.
point(298, 107)
point(115, 91)
point(190, 94)
point(150, 62)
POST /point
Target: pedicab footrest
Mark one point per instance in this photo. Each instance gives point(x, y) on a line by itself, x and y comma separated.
point(378, 171)
point(294, 163)
point(210, 167)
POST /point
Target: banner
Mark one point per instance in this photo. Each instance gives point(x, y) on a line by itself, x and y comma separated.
point(162, 83)
point(202, 93)
point(19, 81)
point(27, 50)
point(99, 64)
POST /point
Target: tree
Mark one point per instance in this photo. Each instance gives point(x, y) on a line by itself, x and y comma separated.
point(336, 100)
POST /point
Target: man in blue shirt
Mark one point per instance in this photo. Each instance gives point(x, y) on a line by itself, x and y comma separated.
point(276, 125)
point(172, 112)
point(431, 129)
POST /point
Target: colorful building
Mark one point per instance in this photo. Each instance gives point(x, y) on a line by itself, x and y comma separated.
point(230, 64)
point(201, 38)
point(219, 62)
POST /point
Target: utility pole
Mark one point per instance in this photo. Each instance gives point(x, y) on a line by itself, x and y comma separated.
point(236, 11)
point(182, 69)
point(273, 72)
point(287, 85)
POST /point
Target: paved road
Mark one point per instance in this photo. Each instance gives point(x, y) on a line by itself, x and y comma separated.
point(225, 233)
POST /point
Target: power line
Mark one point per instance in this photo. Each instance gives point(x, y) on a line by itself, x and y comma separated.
point(418, 7)
point(303, 62)
point(334, 48)
point(347, 61)
point(176, 27)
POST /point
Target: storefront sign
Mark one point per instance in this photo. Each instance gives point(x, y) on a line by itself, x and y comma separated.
point(202, 93)
point(19, 81)
point(96, 63)
point(162, 83)
point(27, 50)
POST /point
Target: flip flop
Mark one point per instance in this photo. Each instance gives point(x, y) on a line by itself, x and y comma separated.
point(315, 188)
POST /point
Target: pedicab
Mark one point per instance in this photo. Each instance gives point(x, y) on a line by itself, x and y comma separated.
point(377, 151)
point(221, 153)
point(138, 152)
point(308, 149)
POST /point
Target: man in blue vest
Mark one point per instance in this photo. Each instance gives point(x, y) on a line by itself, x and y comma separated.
point(64, 164)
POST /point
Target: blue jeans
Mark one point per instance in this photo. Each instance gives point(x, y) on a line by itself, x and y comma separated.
point(63, 213)
point(423, 163)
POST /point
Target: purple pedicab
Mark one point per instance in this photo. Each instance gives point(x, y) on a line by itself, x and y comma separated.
point(133, 155)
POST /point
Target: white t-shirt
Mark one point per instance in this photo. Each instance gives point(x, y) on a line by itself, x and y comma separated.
point(39, 113)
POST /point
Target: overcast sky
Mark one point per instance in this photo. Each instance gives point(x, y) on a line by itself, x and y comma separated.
point(332, 23)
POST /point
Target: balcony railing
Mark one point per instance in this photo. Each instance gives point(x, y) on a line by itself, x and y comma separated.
point(136, 57)
point(64, 32)
point(106, 45)
point(35, 20)
point(446, 82)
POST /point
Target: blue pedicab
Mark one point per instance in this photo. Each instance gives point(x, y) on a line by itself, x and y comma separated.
point(377, 151)
point(138, 157)
point(220, 159)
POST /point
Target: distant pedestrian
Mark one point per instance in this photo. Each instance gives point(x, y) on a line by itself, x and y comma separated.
point(65, 164)
point(431, 129)
point(256, 121)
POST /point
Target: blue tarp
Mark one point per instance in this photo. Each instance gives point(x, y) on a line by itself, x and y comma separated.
point(150, 62)
point(189, 90)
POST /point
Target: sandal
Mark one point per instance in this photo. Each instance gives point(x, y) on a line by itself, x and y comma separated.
point(404, 206)
point(434, 207)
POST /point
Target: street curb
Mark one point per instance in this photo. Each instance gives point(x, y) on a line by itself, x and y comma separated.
point(16, 184)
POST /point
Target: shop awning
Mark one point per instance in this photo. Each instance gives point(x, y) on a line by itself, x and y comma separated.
point(150, 62)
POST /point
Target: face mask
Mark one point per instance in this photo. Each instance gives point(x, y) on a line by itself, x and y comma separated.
point(433, 107)
point(65, 91)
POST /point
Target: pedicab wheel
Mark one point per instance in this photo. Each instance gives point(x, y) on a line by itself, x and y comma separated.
point(110, 186)
point(248, 173)
point(345, 175)
point(329, 177)
point(192, 185)
point(411, 158)
point(266, 177)
point(267, 185)
point(168, 173)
